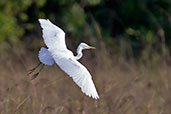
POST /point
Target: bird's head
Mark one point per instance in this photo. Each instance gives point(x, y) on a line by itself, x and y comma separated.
point(85, 46)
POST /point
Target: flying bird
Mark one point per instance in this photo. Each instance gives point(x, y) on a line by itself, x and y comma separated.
point(57, 52)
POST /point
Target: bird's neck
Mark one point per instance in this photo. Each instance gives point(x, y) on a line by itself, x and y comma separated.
point(79, 53)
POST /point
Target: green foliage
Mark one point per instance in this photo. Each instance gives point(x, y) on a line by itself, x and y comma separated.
point(141, 22)
point(74, 19)
point(93, 2)
point(12, 16)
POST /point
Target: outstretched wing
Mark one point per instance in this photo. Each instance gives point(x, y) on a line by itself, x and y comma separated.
point(53, 36)
point(45, 57)
point(79, 74)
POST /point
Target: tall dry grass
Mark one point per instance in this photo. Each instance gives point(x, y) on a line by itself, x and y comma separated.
point(124, 87)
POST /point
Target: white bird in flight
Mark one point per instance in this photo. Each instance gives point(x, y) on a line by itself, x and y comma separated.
point(57, 52)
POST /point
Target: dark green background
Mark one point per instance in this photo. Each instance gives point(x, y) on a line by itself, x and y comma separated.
point(140, 24)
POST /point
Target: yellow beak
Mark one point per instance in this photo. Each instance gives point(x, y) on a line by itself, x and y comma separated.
point(91, 47)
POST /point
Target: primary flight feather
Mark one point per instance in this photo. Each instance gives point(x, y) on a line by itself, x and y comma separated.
point(57, 52)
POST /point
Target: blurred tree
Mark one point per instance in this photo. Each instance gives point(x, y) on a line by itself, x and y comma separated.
point(13, 15)
point(140, 22)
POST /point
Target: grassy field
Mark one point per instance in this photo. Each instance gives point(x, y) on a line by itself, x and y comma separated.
point(124, 87)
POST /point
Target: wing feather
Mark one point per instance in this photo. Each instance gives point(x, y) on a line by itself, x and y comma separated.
point(79, 74)
point(53, 36)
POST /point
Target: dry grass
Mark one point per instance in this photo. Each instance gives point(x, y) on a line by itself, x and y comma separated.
point(124, 88)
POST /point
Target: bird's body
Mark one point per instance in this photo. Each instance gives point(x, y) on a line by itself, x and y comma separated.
point(57, 52)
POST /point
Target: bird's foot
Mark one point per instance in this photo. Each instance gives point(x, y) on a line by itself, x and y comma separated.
point(34, 76)
point(31, 70)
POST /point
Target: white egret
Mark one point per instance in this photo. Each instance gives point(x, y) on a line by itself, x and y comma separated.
point(57, 52)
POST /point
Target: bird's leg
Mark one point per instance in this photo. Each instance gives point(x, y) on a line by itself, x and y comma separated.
point(33, 69)
point(35, 75)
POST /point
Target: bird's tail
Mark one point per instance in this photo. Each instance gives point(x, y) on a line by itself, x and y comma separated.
point(45, 57)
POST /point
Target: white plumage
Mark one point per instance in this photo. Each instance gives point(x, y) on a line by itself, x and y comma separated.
point(54, 38)
point(45, 57)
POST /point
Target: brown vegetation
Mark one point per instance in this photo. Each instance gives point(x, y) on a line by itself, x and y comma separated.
point(124, 87)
